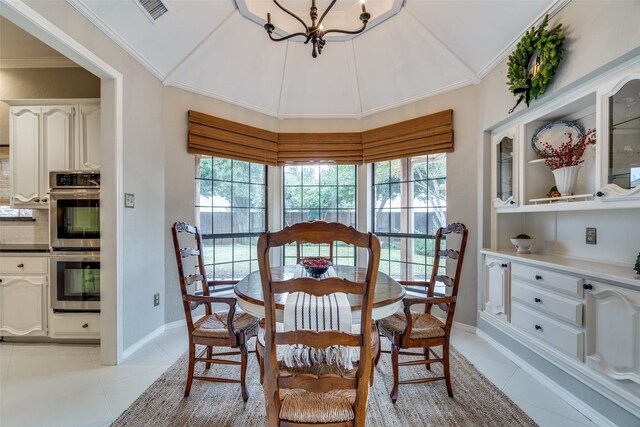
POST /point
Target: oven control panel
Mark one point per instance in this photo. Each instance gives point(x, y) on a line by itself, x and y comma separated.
point(79, 179)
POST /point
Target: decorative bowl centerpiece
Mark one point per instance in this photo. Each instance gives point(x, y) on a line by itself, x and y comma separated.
point(316, 266)
point(523, 243)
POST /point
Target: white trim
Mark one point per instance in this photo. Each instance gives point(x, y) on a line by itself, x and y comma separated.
point(117, 38)
point(586, 410)
point(415, 98)
point(50, 101)
point(142, 342)
point(175, 324)
point(44, 62)
point(112, 155)
point(551, 10)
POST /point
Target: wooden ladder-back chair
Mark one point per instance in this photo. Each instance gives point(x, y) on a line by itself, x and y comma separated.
point(304, 399)
point(409, 329)
point(216, 329)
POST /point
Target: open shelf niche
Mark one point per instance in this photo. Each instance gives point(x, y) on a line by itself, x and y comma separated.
point(537, 178)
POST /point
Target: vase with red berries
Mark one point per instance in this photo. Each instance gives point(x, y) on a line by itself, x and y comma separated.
point(565, 161)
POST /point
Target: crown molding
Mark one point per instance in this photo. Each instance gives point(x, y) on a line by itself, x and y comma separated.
point(81, 7)
point(550, 10)
point(416, 98)
point(210, 94)
point(44, 62)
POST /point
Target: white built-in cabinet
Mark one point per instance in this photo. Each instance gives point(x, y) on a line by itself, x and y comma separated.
point(613, 331)
point(573, 302)
point(46, 138)
point(496, 292)
point(23, 296)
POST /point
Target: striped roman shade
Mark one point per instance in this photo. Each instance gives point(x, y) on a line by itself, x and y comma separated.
point(425, 135)
point(223, 138)
point(217, 137)
point(340, 148)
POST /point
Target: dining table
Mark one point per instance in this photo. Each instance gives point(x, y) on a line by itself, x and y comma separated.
point(387, 296)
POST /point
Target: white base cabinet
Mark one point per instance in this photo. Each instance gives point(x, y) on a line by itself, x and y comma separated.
point(571, 317)
point(613, 331)
point(23, 296)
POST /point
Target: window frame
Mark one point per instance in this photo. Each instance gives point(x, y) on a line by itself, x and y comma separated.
point(405, 181)
point(356, 208)
point(215, 236)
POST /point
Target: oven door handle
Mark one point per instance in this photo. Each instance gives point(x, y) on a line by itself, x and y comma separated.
point(74, 192)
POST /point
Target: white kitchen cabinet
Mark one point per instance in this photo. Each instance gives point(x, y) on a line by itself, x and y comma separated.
point(23, 295)
point(496, 292)
point(24, 155)
point(88, 141)
point(613, 331)
point(47, 138)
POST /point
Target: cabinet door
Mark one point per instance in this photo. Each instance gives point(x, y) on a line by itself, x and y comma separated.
point(57, 139)
point(613, 331)
point(24, 156)
point(496, 292)
point(21, 309)
point(88, 144)
point(503, 167)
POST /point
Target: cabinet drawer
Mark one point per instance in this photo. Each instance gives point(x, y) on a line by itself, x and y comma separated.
point(564, 338)
point(19, 265)
point(564, 283)
point(559, 306)
point(72, 325)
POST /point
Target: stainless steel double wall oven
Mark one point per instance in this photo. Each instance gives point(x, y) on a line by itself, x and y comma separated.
point(74, 217)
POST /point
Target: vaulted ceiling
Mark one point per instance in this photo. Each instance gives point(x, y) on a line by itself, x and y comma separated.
point(420, 49)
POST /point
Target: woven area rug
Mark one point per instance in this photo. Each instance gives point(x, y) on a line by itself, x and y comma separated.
point(477, 401)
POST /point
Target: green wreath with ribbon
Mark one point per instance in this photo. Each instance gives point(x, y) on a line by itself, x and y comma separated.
point(546, 47)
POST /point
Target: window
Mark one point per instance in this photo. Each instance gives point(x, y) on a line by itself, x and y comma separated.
point(231, 211)
point(5, 191)
point(320, 192)
point(409, 205)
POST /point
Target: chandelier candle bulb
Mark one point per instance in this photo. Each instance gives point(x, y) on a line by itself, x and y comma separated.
point(364, 8)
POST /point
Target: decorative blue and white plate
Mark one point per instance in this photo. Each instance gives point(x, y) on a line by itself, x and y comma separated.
point(555, 133)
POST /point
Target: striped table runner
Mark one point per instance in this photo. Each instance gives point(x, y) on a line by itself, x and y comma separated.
point(307, 312)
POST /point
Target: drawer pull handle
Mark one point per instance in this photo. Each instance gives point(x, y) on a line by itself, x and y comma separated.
point(85, 326)
point(538, 277)
point(504, 265)
point(587, 287)
point(36, 200)
point(537, 300)
point(538, 328)
point(21, 265)
point(599, 194)
point(511, 202)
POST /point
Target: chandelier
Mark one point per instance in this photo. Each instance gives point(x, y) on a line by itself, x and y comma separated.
point(315, 32)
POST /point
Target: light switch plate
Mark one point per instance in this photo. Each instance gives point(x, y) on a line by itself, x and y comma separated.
point(129, 200)
point(591, 236)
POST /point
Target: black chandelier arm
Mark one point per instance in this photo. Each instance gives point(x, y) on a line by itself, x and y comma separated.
point(325, 12)
point(306, 29)
point(288, 37)
point(345, 31)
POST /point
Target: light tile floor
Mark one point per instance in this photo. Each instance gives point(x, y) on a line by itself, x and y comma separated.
point(49, 385)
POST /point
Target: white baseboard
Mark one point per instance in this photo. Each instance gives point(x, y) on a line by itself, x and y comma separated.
point(596, 417)
point(176, 324)
point(142, 342)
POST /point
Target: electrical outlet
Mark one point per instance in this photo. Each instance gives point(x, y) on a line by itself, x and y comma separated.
point(591, 236)
point(156, 300)
point(129, 200)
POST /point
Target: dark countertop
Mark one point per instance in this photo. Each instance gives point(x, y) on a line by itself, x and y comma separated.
point(24, 248)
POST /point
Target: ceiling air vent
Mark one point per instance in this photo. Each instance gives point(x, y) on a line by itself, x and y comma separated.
point(155, 8)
